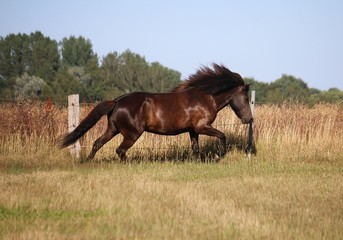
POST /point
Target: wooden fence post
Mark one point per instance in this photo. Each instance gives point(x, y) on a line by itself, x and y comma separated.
point(252, 102)
point(250, 149)
point(73, 121)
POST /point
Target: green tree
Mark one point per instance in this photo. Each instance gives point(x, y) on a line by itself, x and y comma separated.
point(31, 87)
point(333, 95)
point(34, 54)
point(14, 55)
point(44, 56)
point(162, 79)
point(291, 88)
point(81, 65)
point(5, 88)
point(274, 95)
point(314, 91)
point(132, 73)
point(260, 88)
point(77, 51)
point(129, 72)
point(64, 85)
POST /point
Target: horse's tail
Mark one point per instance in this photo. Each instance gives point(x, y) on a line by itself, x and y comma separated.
point(102, 108)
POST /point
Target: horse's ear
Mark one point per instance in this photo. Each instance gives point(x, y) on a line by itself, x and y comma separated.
point(247, 86)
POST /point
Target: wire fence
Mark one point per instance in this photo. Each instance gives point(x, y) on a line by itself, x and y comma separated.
point(50, 119)
point(74, 112)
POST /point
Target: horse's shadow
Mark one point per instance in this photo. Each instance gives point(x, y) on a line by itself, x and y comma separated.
point(208, 152)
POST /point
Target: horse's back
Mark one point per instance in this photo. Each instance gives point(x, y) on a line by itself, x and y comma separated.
point(162, 113)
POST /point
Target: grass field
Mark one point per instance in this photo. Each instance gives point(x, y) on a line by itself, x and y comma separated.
point(292, 188)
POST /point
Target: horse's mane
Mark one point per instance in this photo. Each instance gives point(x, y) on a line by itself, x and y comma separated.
point(211, 81)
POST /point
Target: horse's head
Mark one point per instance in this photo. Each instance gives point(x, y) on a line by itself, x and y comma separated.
point(240, 104)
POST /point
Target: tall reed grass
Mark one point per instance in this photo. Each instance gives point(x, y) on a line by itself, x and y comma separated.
point(297, 131)
point(28, 129)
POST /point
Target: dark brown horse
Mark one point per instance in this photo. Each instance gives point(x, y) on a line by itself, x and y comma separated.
point(191, 107)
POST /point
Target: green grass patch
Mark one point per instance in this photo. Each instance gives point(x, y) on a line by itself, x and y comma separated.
point(149, 200)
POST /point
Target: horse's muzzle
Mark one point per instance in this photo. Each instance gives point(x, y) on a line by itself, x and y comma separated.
point(247, 121)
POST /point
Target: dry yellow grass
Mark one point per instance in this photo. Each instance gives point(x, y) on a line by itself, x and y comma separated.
point(286, 129)
point(292, 189)
point(298, 132)
point(173, 201)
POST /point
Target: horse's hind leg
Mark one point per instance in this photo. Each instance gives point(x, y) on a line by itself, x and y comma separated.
point(129, 140)
point(110, 132)
point(194, 140)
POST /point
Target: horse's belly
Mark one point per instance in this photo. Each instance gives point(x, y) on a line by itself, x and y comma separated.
point(167, 127)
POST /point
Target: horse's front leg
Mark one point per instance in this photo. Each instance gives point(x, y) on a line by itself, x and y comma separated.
point(211, 131)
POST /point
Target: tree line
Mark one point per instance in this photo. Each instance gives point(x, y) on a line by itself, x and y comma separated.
point(291, 89)
point(36, 67)
point(33, 66)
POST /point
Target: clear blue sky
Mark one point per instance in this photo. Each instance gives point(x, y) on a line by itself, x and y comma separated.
point(262, 39)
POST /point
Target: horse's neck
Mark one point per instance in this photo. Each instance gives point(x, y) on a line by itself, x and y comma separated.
point(222, 100)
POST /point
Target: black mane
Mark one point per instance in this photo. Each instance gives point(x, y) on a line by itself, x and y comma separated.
point(212, 81)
